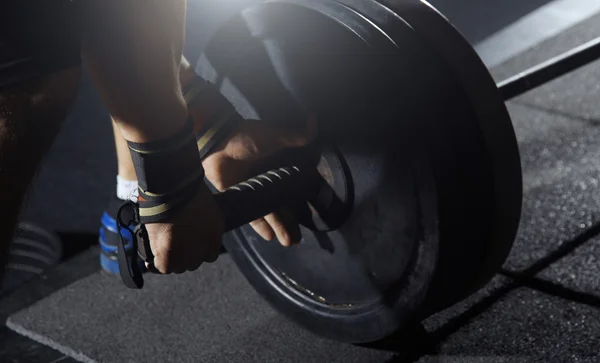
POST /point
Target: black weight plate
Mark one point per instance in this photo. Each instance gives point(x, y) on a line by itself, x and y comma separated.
point(494, 121)
point(465, 66)
point(362, 282)
point(460, 157)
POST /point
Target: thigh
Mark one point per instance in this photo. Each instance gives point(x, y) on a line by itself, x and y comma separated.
point(38, 38)
point(31, 113)
point(39, 74)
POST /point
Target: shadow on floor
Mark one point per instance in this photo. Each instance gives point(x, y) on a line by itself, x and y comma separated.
point(426, 343)
point(75, 243)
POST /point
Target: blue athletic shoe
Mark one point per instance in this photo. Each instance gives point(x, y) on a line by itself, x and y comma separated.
point(109, 238)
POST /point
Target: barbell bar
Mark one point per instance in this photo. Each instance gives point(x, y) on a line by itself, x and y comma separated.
point(414, 198)
point(549, 70)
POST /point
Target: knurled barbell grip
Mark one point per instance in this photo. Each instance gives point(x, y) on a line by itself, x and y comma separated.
point(266, 193)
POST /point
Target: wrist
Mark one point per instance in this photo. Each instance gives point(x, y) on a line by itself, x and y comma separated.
point(156, 124)
point(215, 118)
point(169, 173)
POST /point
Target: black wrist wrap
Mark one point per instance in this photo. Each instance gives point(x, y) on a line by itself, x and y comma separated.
point(221, 127)
point(219, 118)
point(169, 173)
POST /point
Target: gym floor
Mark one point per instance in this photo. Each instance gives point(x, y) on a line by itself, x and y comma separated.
point(543, 306)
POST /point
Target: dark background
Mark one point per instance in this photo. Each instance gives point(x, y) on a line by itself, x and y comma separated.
point(543, 306)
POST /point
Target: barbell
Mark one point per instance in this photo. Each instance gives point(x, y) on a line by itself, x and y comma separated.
point(410, 197)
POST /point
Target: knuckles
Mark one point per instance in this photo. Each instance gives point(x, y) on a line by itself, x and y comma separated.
point(163, 262)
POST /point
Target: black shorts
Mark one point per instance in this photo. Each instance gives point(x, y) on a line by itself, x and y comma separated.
point(38, 37)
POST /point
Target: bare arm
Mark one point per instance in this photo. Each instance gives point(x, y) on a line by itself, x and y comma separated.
point(133, 51)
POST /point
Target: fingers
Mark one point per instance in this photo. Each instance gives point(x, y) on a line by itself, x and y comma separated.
point(213, 255)
point(263, 228)
point(151, 268)
point(269, 137)
point(191, 265)
point(255, 139)
point(282, 226)
point(166, 263)
point(299, 138)
point(285, 227)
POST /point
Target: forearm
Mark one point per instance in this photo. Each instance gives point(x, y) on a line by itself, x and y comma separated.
point(133, 51)
point(126, 169)
point(186, 72)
